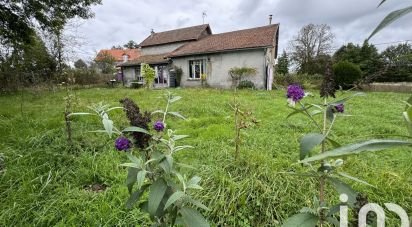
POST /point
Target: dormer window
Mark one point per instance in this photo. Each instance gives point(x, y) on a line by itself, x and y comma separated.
point(125, 57)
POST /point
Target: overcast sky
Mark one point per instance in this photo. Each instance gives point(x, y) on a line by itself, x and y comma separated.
point(118, 21)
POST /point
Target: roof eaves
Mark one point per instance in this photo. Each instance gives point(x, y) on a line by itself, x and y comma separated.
point(219, 51)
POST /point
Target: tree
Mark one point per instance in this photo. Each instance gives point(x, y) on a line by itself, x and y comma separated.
point(20, 17)
point(283, 64)
point(131, 45)
point(80, 64)
point(312, 42)
point(346, 73)
point(365, 56)
point(398, 63)
point(105, 62)
point(118, 47)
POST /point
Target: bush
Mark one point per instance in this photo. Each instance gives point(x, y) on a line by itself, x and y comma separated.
point(346, 74)
point(136, 85)
point(307, 81)
point(246, 84)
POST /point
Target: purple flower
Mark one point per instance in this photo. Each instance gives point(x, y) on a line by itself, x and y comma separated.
point(295, 92)
point(158, 126)
point(340, 108)
point(122, 143)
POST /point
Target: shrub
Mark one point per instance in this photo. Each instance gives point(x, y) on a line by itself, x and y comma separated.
point(237, 74)
point(246, 84)
point(307, 81)
point(346, 74)
point(148, 75)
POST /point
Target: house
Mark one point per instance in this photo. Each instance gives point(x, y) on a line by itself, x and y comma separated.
point(196, 51)
point(118, 55)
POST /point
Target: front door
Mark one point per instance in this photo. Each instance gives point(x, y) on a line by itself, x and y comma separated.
point(162, 76)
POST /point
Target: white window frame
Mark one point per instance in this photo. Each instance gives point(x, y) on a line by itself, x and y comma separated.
point(192, 66)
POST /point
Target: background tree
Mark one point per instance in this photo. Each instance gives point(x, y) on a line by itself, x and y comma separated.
point(80, 64)
point(312, 43)
point(105, 62)
point(346, 74)
point(19, 17)
point(365, 56)
point(131, 45)
point(398, 63)
point(283, 64)
point(118, 47)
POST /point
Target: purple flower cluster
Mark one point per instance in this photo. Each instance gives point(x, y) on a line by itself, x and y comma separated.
point(159, 126)
point(122, 143)
point(340, 108)
point(295, 92)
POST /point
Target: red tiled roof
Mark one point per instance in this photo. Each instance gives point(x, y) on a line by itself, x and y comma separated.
point(177, 35)
point(265, 36)
point(118, 54)
point(148, 59)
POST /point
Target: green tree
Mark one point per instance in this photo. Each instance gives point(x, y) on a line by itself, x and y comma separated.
point(80, 64)
point(283, 64)
point(19, 17)
point(398, 63)
point(131, 45)
point(346, 74)
point(105, 62)
point(32, 64)
point(365, 56)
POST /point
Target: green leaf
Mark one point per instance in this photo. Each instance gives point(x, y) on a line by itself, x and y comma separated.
point(79, 114)
point(194, 180)
point(136, 129)
point(381, 2)
point(157, 191)
point(196, 203)
point(108, 125)
point(131, 165)
point(371, 145)
point(333, 142)
point(140, 178)
point(174, 99)
point(329, 113)
point(179, 148)
point(342, 101)
point(355, 179)
point(114, 108)
point(179, 137)
point(158, 111)
point(343, 188)
point(302, 220)
point(297, 111)
point(308, 142)
point(134, 159)
point(169, 160)
point(181, 179)
point(173, 198)
point(390, 18)
point(134, 197)
point(131, 178)
point(176, 114)
point(192, 217)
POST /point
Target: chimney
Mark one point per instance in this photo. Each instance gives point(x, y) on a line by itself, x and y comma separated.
point(270, 18)
point(152, 32)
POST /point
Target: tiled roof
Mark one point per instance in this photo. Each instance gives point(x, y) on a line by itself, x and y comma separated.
point(118, 54)
point(177, 35)
point(243, 39)
point(148, 59)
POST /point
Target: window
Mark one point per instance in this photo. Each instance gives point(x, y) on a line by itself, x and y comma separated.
point(196, 69)
point(138, 74)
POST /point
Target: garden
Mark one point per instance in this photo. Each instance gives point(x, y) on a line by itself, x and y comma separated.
point(46, 179)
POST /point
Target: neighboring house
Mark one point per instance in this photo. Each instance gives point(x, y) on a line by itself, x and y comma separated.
point(197, 51)
point(119, 55)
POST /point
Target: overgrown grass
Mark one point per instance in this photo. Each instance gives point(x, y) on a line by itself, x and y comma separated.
point(43, 179)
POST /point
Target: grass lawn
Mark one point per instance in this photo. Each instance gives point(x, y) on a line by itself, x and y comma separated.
point(44, 182)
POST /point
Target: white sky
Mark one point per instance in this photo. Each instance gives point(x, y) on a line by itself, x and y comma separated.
point(118, 21)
